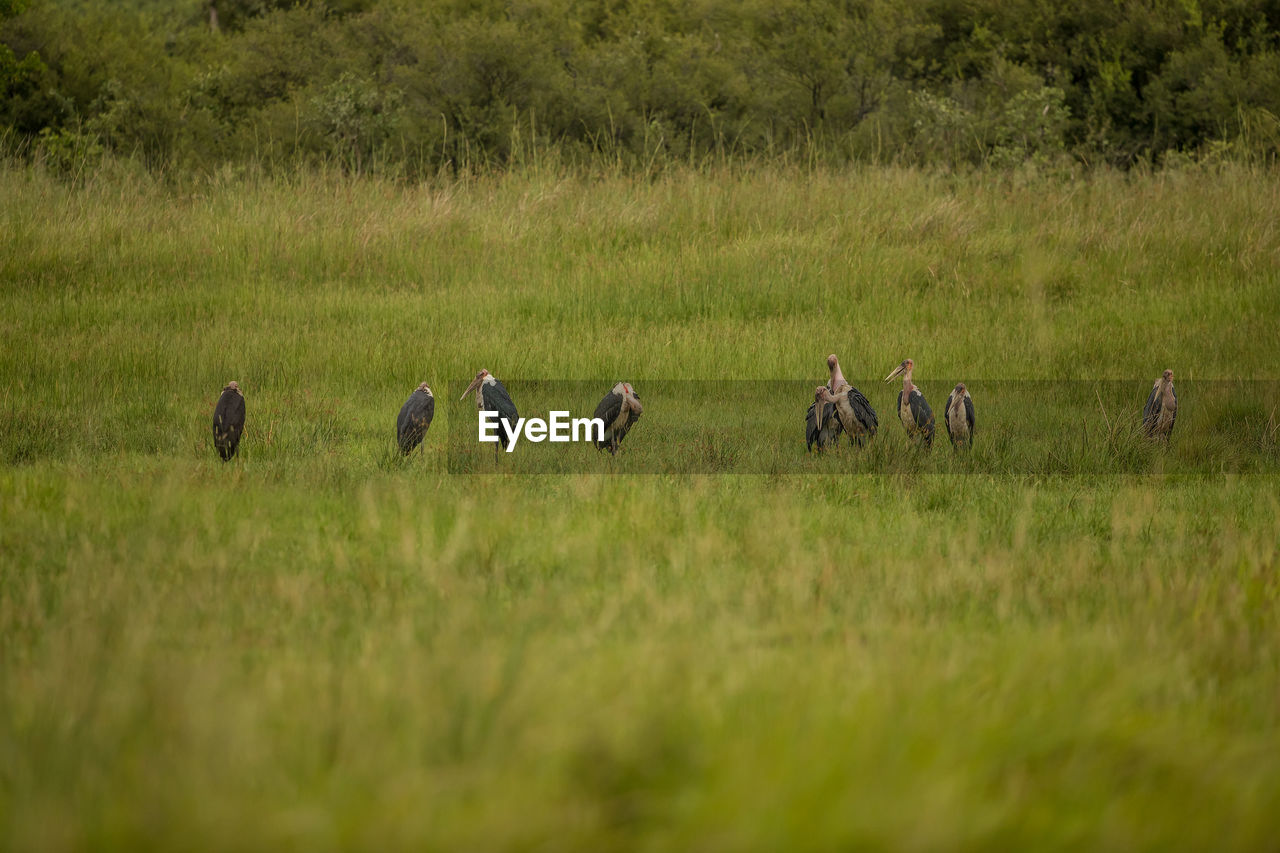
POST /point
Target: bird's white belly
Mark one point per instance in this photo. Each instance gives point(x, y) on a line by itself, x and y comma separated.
point(904, 412)
point(621, 420)
point(958, 422)
point(847, 417)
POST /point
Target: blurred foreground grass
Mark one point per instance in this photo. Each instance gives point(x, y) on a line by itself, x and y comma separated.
point(321, 646)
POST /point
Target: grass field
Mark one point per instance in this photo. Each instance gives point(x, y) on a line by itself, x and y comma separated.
point(1069, 638)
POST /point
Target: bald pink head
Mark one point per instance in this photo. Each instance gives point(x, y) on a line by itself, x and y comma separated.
point(481, 375)
point(837, 376)
point(631, 399)
point(903, 369)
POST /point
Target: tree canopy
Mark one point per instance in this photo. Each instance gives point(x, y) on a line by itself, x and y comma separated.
point(380, 85)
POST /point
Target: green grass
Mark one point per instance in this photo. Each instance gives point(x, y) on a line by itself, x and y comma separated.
point(1069, 638)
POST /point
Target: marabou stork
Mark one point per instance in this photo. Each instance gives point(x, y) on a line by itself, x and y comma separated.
point(415, 418)
point(620, 409)
point(492, 396)
point(821, 426)
point(838, 407)
point(959, 417)
point(913, 409)
point(1161, 409)
point(854, 411)
point(228, 421)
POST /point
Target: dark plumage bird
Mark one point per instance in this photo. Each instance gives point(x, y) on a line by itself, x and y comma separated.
point(821, 426)
point(620, 409)
point(492, 396)
point(959, 416)
point(228, 421)
point(415, 418)
point(857, 418)
point(1161, 409)
point(913, 409)
point(838, 407)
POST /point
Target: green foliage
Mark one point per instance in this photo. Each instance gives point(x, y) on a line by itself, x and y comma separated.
point(1030, 127)
point(236, 15)
point(69, 153)
point(354, 119)
point(413, 88)
point(24, 104)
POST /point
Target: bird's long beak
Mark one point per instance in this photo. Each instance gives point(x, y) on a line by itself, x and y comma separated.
point(897, 371)
point(474, 384)
point(636, 407)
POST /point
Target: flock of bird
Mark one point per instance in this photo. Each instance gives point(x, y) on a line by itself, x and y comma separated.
point(837, 408)
point(618, 411)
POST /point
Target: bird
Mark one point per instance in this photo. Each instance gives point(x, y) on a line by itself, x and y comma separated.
point(415, 418)
point(1161, 409)
point(853, 410)
point(492, 396)
point(913, 409)
point(821, 426)
point(619, 410)
point(228, 421)
point(959, 416)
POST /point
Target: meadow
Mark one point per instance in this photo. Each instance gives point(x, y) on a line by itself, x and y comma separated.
point(1068, 638)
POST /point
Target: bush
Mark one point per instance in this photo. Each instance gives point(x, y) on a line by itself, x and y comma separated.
point(465, 84)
